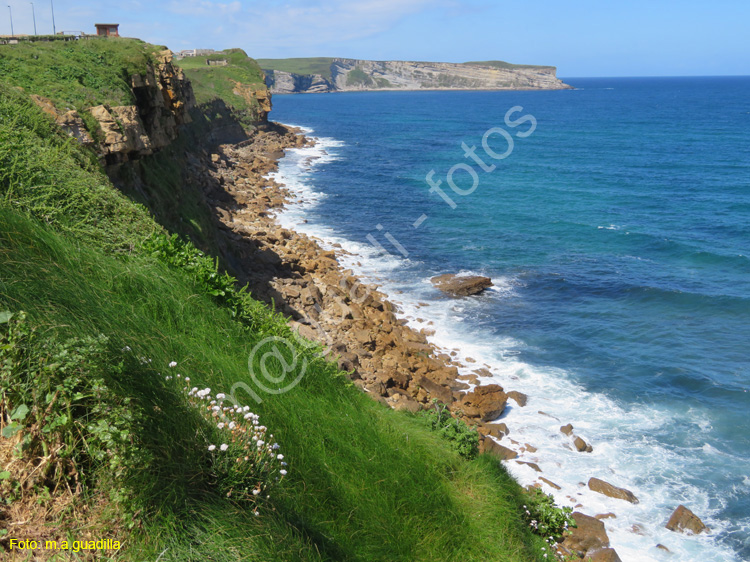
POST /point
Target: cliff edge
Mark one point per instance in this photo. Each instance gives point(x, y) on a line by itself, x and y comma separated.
point(290, 76)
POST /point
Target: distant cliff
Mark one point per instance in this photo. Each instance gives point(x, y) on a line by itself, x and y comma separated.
point(287, 76)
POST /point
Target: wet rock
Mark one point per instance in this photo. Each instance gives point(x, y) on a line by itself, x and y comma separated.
point(461, 285)
point(609, 515)
point(608, 489)
point(533, 465)
point(581, 445)
point(602, 555)
point(683, 519)
point(550, 483)
point(589, 535)
point(519, 397)
point(566, 429)
point(662, 547)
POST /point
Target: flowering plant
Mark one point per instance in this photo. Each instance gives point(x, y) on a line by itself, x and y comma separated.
point(244, 457)
point(545, 518)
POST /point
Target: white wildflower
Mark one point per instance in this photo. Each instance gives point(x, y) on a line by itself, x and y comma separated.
point(280, 457)
point(173, 364)
point(232, 425)
point(187, 379)
point(224, 447)
point(221, 396)
point(126, 349)
point(211, 447)
point(256, 492)
point(221, 425)
point(282, 472)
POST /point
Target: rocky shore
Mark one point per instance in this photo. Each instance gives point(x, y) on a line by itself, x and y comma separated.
point(395, 364)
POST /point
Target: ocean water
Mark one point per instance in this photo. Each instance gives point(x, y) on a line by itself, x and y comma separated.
point(617, 235)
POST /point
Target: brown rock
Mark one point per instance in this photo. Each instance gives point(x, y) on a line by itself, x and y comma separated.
point(531, 464)
point(485, 402)
point(519, 397)
point(550, 483)
point(461, 285)
point(609, 515)
point(683, 519)
point(589, 535)
point(401, 402)
point(497, 450)
point(567, 429)
point(608, 489)
point(662, 547)
point(582, 446)
point(498, 430)
point(602, 555)
point(398, 379)
point(435, 390)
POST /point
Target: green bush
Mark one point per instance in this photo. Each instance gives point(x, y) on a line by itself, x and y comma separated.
point(58, 397)
point(461, 437)
point(545, 518)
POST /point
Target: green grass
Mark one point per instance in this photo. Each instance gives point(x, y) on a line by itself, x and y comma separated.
point(365, 483)
point(77, 74)
point(357, 77)
point(311, 65)
point(509, 66)
point(211, 83)
point(45, 173)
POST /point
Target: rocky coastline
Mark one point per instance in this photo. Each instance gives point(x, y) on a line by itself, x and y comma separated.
point(359, 327)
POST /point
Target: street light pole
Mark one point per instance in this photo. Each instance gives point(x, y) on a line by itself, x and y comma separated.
point(33, 15)
point(54, 31)
point(12, 33)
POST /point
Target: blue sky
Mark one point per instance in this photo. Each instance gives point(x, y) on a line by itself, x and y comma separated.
point(580, 37)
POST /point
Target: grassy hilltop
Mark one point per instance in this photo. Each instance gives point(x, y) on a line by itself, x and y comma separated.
point(99, 440)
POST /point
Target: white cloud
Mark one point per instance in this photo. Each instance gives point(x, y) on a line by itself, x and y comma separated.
point(299, 23)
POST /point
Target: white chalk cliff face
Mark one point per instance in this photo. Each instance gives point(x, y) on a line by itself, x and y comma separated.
point(352, 74)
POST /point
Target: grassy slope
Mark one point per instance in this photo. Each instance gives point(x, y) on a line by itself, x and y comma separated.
point(312, 65)
point(219, 82)
point(365, 483)
point(509, 66)
point(322, 65)
point(77, 74)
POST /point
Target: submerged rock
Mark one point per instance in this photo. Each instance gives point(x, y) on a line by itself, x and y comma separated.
point(461, 285)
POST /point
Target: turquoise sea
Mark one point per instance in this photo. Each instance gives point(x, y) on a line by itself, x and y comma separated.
point(618, 237)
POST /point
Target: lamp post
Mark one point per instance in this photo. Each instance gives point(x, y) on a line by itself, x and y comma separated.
point(33, 15)
point(54, 31)
point(10, 11)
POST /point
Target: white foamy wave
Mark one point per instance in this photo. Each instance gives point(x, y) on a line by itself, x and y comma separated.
point(626, 452)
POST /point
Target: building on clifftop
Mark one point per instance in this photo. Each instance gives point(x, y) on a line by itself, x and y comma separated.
point(107, 29)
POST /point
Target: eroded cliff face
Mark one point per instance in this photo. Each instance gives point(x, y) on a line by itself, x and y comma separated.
point(354, 74)
point(163, 97)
